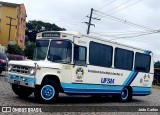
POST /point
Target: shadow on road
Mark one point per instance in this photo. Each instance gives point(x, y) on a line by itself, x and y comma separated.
point(2, 74)
point(80, 100)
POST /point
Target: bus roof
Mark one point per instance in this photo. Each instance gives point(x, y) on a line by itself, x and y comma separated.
point(77, 34)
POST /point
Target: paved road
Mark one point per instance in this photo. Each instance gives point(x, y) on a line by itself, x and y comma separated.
point(8, 98)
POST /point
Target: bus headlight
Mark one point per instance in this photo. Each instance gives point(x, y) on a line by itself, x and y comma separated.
point(9, 68)
point(32, 71)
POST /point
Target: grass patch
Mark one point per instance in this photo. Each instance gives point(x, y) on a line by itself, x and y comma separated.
point(156, 86)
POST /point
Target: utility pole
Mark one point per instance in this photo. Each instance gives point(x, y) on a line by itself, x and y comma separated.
point(10, 25)
point(90, 20)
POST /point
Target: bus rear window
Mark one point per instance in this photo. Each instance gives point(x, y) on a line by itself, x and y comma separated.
point(142, 62)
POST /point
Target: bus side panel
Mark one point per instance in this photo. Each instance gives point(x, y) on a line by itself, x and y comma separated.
point(76, 88)
point(143, 80)
point(106, 76)
point(96, 79)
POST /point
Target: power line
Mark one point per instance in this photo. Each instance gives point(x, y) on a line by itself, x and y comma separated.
point(106, 5)
point(132, 36)
point(122, 21)
point(98, 9)
point(148, 40)
point(75, 26)
point(141, 41)
point(118, 6)
point(127, 6)
point(121, 33)
point(80, 21)
point(125, 35)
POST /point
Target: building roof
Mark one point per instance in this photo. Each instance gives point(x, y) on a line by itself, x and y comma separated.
point(9, 4)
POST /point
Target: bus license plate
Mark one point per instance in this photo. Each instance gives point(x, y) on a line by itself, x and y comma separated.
point(16, 82)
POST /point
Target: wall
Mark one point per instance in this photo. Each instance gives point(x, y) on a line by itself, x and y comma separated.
point(4, 35)
point(21, 25)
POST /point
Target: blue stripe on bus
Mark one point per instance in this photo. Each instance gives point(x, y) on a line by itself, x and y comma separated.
point(138, 91)
point(90, 88)
point(73, 88)
point(136, 88)
point(130, 78)
point(147, 52)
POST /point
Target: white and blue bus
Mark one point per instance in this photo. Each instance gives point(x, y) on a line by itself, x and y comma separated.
point(72, 63)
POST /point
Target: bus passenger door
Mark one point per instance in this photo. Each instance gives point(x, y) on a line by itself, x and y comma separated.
point(79, 70)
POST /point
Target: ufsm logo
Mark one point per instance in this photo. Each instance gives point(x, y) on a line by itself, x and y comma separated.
point(107, 80)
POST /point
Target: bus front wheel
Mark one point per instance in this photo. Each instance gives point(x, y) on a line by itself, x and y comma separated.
point(22, 91)
point(47, 92)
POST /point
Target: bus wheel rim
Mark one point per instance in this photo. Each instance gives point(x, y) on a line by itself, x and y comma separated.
point(47, 92)
point(124, 94)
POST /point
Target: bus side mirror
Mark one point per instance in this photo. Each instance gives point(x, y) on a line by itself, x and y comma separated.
point(74, 64)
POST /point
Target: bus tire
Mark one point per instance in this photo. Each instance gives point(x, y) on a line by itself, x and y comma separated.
point(22, 91)
point(47, 92)
point(0, 72)
point(126, 95)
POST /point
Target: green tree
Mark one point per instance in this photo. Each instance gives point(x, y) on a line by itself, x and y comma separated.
point(29, 49)
point(15, 49)
point(34, 27)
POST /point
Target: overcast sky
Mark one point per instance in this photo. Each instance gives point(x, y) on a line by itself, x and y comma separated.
point(70, 14)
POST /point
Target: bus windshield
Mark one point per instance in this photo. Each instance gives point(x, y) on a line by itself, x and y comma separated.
point(40, 50)
point(60, 51)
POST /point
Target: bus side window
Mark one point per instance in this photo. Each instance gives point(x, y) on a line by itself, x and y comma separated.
point(80, 55)
point(142, 62)
point(123, 59)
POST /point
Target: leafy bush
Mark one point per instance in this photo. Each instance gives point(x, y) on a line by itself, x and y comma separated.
point(29, 49)
point(15, 49)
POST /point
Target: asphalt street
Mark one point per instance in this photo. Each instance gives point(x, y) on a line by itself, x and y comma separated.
point(8, 98)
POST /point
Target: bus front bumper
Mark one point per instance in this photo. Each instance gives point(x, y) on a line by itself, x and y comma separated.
point(20, 80)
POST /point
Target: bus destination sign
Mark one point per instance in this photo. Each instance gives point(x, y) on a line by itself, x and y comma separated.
point(51, 34)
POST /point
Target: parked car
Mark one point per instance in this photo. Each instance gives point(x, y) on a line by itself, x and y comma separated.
point(15, 57)
point(3, 61)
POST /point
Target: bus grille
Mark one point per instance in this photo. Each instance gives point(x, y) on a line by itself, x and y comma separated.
point(20, 69)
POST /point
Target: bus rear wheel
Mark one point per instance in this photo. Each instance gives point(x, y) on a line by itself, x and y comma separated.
point(126, 95)
point(47, 92)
